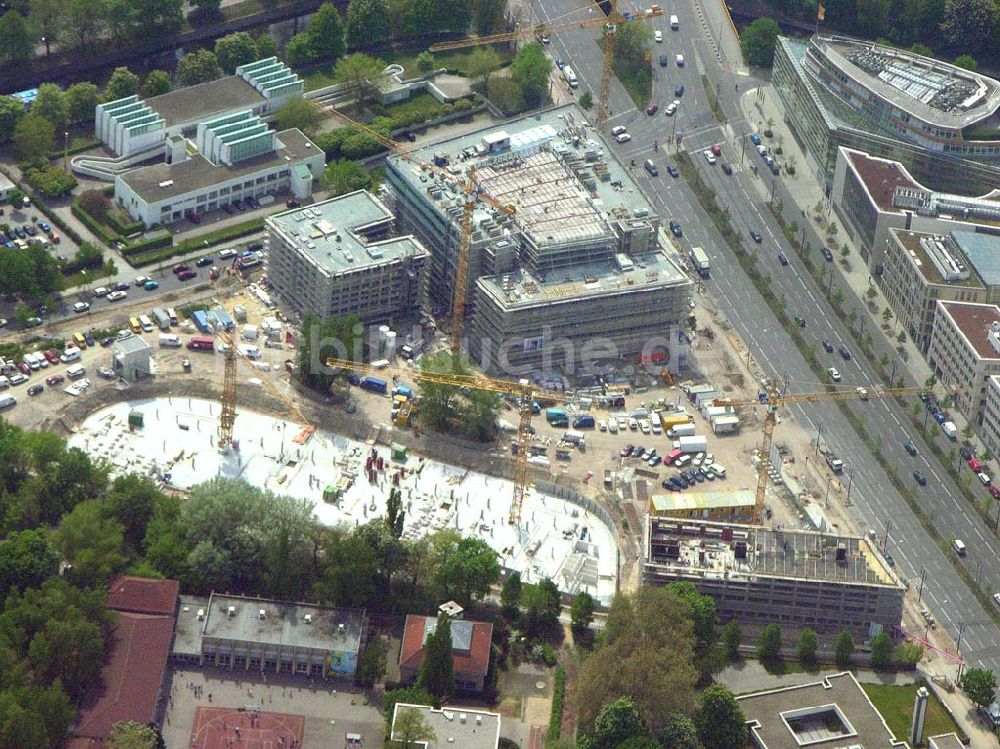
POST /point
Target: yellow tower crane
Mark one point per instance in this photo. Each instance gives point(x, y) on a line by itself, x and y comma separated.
point(523, 393)
point(472, 192)
point(772, 398)
point(610, 22)
point(228, 416)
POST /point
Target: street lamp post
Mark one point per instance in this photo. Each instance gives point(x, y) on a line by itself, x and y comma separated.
point(850, 485)
point(920, 590)
point(66, 151)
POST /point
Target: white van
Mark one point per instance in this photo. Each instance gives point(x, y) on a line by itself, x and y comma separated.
point(674, 23)
point(31, 360)
point(76, 371)
point(4, 382)
point(718, 469)
point(172, 315)
point(7, 401)
point(654, 420)
point(959, 546)
point(570, 76)
point(70, 354)
point(169, 340)
point(146, 323)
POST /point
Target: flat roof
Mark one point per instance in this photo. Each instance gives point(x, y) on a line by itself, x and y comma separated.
point(283, 623)
point(945, 741)
point(934, 91)
point(198, 172)
point(832, 713)
point(134, 344)
point(332, 234)
point(974, 321)
point(459, 727)
point(202, 101)
point(881, 177)
point(983, 252)
point(690, 501)
point(702, 548)
point(912, 242)
point(188, 628)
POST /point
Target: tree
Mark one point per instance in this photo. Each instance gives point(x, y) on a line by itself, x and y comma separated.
point(968, 62)
point(468, 569)
point(410, 728)
point(34, 137)
point(617, 722)
point(27, 559)
point(207, 6)
point(530, 71)
point(132, 735)
point(197, 67)
point(881, 651)
point(395, 515)
point(96, 203)
point(15, 38)
point(489, 16)
point(505, 95)
point(52, 105)
point(91, 542)
point(85, 22)
point(10, 112)
point(123, 82)
point(702, 611)
point(510, 595)
point(234, 50)
point(679, 732)
point(968, 24)
point(425, 62)
point(69, 649)
point(758, 40)
point(979, 685)
point(81, 98)
point(299, 50)
point(303, 114)
point(405, 696)
point(808, 645)
point(843, 649)
point(364, 72)
point(586, 100)
point(483, 63)
point(348, 577)
point(343, 176)
point(540, 604)
point(367, 23)
point(720, 720)
point(908, 655)
point(47, 18)
point(266, 46)
point(769, 643)
point(371, 667)
point(581, 613)
point(155, 16)
point(326, 32)
point(437, 669)
point(131, 500)
point(732, 636)
point(646, 654)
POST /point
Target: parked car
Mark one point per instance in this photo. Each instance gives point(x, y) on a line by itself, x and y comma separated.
point(204, 261)
point(911, 448)
point(652, 108)
point(709, 156)
point(756, 236)
point(116, 296)
point(79, 307)
point(101, 291)
point(679, 90)
point(36, 389)
point(834, 374)
point(827, 255)
point(54, 379)
point(186, 275)
point(672, 171)
point(151, 285)
point(51, 355)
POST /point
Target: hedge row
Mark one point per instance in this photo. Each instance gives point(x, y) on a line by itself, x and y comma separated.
point(148, 244)
point(193, 245)
point(85, 146)
point(558, 698)
point(99, 229)
point(125, 230)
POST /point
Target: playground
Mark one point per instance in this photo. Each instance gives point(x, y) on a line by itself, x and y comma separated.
point(246, 728)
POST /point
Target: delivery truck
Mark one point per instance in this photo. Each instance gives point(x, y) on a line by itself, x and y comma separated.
point(573, 437)
point(556, 417)
point(699, 259)
point(694, 444)
point(374, 385)
point(668, 421)
point(681, 430)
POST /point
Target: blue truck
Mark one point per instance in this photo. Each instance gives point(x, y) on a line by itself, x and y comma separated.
point(374, 385)
point(556, 417)
point(584, 422)
point(201, 321)
point(403, 390)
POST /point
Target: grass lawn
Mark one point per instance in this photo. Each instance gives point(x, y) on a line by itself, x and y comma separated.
point(895, 702)
point(455, 59)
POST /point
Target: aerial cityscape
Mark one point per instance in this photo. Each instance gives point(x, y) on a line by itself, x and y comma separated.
point(499, 374)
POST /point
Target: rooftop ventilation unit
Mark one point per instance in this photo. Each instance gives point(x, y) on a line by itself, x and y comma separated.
point(307, 618)
point(201, 615)
point(231, 611)
point(262, 615)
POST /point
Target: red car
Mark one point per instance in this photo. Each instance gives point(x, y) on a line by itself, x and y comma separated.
point(995, 491)
point(51, 356)
point(625, 451)
point(180, 268)
point(975, 465)
point(652, 109)
point(54, 380)
point(717, 150)
point(186, 275)
point(25, 369)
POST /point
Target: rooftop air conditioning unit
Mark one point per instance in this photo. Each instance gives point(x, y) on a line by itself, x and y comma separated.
point(262, 615)
point(201, 615)
point(308, 618)
point(231, 611)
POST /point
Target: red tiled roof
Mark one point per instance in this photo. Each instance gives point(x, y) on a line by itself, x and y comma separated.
point(974, 320)
point(143, 595)
point(132, 674)
point(475, 661)
point(881, 177)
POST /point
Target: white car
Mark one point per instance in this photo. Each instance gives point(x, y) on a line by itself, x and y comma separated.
point(141, 280)
point(658, 36)
point(79, 307)
point(623, 137)
point(680, 61)
point(671, 108)
point(633, 424)
point(602, 425)
point(709, 156)
point(834, 374)
point(102, 291)
point(862, 393)
point(644, 426)
point(115, 296)
point(18, 378)
point(226, 254)
point(618, 129)
point(612, 426)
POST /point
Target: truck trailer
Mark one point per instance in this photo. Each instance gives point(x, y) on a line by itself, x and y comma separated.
point(694, 444)
point(699, 258)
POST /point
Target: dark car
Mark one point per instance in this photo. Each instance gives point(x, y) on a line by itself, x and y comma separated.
point(756, 236)
point(920, 478)
point(911, 448)
point(292, 203)
point(88, 338)
point(180, 268)
point(672, 171)
point(827, 346)
point(965, 452)
point(186, 275)
point(204, 261)
point(727, 168)
point(679, 90)
point(650, 167)
point(675, 228)
point(845, 352)
point(664, 60)
point(782, 259)
point(35, 389)
point(105, 342)
point(827, 255)
point(652, 108)
point(227, 208)
point(775, 169)
point(122, 286)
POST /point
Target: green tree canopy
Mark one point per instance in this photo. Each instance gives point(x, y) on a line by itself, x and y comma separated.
point(47, 18)
point(27, 559)
point(510, 595)
point(123, 82)
point(364, 72)
point(489, 16)
point(437, 669)
point(979, 685)
point(86, 20)
point(34, 137)
point(758, 40)
point(91, 542)
point(732, 638)
point(81, 98)
point(197, 67)
point(881, 645)
point(720, 720)
point(371, 666)
point(132, 735)
point(322, 339)
point(530, 71)
point(52, 105)
point(843, 649)
point(468, 569)
point(235, 49)
point(10, 112)
point(968, 62)
point(616, 722)
point(410, 728)
point(157, 83)
point(769, 643)
point(483, 63)
point(679, 732)
point(15, 38)
point(325, 32)
point(581, 612)
point(969, 24)
point(299, 50)
point(367, 23)
point(540, 604)
point(702, 611)
point(807, 646)
point(303, 114)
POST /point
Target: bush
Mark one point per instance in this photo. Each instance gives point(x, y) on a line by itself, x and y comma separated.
point(105, 234)
point(769, 644)
point(48, 180)
point(119, 221)
point(558, 699)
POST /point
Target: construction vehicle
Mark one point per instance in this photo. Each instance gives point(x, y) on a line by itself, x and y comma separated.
point(522, 392)
point(610, 22)
point(772, 398)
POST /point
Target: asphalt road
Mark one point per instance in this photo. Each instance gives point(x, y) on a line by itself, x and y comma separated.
point(874, 500)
